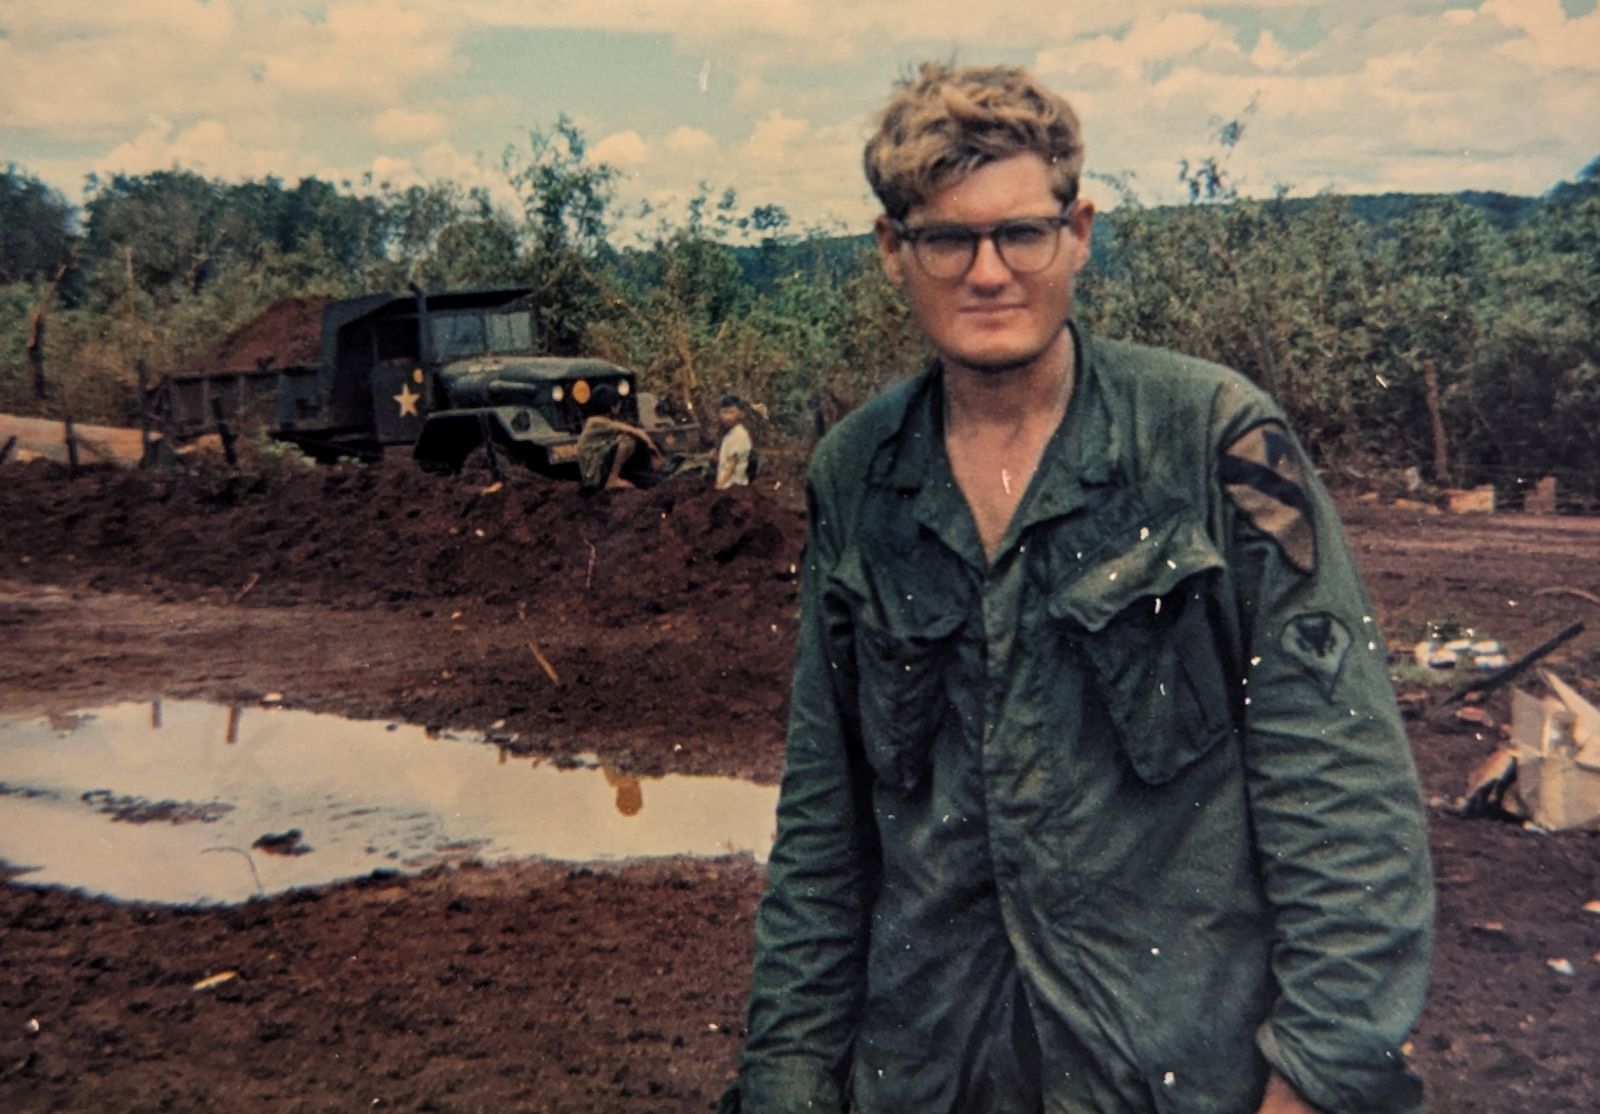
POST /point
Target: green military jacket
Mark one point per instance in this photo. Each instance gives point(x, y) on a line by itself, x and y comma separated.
point(1112, 823)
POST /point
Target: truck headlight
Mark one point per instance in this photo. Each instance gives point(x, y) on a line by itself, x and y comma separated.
point(558, 392)
point(624, 388)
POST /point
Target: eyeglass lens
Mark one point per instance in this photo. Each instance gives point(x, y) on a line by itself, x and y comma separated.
point(1024, 246)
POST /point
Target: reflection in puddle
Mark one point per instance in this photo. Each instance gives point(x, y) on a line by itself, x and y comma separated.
point(187, 802)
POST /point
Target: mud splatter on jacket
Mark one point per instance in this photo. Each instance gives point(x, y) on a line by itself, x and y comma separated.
point(1111, 824)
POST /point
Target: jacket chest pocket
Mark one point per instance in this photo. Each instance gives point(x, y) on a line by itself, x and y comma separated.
point(903, 698)
point(905, 638)
point(1144, 621)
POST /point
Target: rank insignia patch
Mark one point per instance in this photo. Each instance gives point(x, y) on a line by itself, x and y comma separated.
point(1262, 474)
point(1317, 642)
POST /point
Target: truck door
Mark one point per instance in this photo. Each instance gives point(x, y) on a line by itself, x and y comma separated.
point(400, 401)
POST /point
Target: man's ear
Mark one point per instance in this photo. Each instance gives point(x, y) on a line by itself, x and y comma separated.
point(1081, 224)
point(889, 249)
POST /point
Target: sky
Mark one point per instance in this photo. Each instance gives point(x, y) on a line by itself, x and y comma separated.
point(774, 98)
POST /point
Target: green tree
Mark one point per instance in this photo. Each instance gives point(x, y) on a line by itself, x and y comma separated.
point(35, 228)
point(567, 213)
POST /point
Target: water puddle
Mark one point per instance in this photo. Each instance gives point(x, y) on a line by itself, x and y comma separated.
point(185, 802)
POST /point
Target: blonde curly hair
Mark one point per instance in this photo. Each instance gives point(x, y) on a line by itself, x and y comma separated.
point(943, 123)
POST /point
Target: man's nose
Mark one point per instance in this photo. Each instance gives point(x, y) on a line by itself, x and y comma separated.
point(988, 269)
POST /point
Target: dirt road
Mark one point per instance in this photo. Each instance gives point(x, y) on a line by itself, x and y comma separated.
point(666, 618)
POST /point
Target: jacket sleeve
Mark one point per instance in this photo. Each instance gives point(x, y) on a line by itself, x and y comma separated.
point(1340, 829)
point(811, 930)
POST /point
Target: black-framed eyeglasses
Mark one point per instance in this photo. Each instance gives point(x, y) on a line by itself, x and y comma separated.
point(945, 251)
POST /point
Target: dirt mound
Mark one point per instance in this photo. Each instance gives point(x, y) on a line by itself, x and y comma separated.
point(388, 534)
point(287, 334)
point(655, 628)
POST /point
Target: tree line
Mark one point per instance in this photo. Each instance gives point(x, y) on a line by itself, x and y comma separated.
point(1477, 316)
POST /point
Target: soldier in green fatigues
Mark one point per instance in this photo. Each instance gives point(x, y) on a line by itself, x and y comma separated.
point(1096, 799)
point(609, 447)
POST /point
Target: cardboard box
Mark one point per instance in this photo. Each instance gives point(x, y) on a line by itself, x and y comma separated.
point(1477, 500)
point(1557, 744)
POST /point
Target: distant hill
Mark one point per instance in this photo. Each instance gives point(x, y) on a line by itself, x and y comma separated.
point(1503, 210)
point(762, 267)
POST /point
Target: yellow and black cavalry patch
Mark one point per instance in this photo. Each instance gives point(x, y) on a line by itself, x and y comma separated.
point(1261, 472)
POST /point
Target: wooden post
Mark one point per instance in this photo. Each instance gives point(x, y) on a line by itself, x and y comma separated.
point(72, 449)
point(1441, 459)
point(144, 412)
point(35, 350)
point(35, 341)
point(11, 443)
point(223, 432)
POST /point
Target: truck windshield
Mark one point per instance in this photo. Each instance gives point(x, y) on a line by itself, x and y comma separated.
point(510, 332)
point(457, 335)
point(471, 334)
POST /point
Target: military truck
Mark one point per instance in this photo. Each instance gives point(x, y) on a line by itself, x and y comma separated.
point(445, 372)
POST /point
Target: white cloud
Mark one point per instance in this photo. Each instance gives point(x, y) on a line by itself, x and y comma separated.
point(773, 136)
point(621, 149)
point(206, 147)
point(783, 35)
point(684, 140)
point(364, 52)
point(395, 172)
point(440, 162)
point(80, 70)
point(1153, 40)
point(1503, 95)
point(1549, 40)
point(1270, 54)
point(1399, 101)
point(403, 126)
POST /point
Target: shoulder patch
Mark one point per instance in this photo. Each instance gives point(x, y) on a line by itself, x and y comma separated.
point(1317, 642)
point(1261, 473)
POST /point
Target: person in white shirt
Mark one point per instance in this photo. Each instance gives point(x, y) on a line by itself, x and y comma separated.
point(735, 447)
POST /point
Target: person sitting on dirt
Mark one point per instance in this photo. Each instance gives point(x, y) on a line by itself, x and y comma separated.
point(609, 447)
point(735, 451)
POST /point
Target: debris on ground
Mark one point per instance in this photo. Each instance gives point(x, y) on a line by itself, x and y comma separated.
point(1460, 653)
point(212, 981)
point(1549, 774)
point(1542, 498)
point(1476, 500)
point(291, 842)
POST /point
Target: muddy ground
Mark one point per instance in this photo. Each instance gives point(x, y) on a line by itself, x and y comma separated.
point(666, 621)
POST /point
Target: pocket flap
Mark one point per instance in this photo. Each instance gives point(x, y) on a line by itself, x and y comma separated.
point(1145, 628)
point(1166, 554)
point(905, 601)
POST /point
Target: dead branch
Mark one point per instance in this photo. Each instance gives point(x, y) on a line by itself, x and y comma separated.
point(544, 663)
point(34, 345)
point(255, 578)
point(1562, 590)
point(1502, 676)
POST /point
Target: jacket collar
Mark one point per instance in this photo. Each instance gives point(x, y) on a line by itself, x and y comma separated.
point(911, 458)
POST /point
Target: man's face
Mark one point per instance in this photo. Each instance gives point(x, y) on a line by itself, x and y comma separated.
point(991, 318)
point(730, 416)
